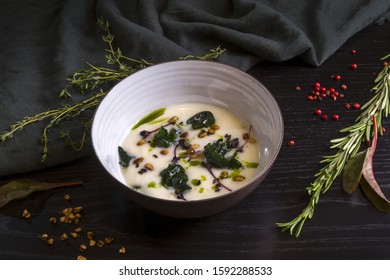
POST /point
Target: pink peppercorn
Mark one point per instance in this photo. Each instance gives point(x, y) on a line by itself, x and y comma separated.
point(356, 105)
point(290, 143)
point(337, 77)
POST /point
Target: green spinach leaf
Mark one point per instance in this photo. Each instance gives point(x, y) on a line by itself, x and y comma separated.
point(217, 154)
point(201, 119)
point(165, 139)
point(175, 176)
point(124, 157)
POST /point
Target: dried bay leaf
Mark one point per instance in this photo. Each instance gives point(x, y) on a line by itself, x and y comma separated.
point(21, 188)
point(353, 172)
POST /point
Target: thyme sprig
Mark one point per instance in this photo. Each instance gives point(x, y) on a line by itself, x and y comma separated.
point(96, 76)
point(55, 117)
point(210, 55)
point(377, 107)
point(93, 81)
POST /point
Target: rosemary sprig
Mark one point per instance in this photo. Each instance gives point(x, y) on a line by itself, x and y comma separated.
point(91, 80)
point(378, 106)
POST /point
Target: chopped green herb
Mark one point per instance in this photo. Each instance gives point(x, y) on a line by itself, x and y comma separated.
point(203, 178)
point(234, 173)
point(194, 162)
point(151, 184)
point(251, 164)
point(182, 154)
point(124, 157)
point(201, 119)
point(200, 190)
point(158, 121)
point(149, 117)
point(195, 182)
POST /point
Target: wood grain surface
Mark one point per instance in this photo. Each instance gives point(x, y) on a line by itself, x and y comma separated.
point(343, 227)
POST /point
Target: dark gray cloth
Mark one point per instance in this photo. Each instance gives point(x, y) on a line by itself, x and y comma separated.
point(44, 41)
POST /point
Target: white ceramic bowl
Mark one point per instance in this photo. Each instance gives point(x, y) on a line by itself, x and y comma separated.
point(187, 82)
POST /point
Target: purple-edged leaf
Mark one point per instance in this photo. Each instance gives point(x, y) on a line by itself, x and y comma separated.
point(369, 185)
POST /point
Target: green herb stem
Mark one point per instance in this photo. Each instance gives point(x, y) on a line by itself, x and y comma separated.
point(211, 55)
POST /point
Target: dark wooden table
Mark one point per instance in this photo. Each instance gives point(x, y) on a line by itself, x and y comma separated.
point(343, 227)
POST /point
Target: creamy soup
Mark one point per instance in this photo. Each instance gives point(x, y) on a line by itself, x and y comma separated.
point(189, 152)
